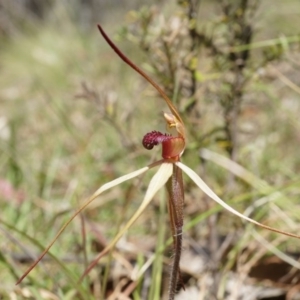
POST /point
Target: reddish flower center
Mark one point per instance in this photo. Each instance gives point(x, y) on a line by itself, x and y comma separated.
point(154, 138)
point(172, 147)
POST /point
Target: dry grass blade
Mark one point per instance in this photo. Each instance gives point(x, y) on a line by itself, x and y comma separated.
point(157, 182)
point(204, 187)
point(288, 259)
point(236, 169)
point(286, 80)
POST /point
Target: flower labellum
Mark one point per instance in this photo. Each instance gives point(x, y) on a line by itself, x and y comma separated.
point(172, 147)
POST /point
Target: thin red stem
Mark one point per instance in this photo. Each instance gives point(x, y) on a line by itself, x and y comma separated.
point(176, 202)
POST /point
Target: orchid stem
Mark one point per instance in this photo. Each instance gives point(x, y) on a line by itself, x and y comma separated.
point(176, 201)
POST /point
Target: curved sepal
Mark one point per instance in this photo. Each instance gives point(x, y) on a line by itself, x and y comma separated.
point(204, 187)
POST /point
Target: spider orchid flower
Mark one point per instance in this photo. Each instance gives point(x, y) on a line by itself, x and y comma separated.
point(169, 174)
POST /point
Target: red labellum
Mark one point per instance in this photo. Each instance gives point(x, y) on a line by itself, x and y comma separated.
point(154, 138)
point(172, 147)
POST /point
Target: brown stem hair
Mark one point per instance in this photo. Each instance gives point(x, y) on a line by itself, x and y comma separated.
point(175, 205)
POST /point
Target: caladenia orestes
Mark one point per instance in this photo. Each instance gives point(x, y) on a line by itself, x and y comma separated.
point(169, 174)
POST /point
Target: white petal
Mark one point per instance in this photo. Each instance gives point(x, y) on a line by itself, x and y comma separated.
point(157, 182)
point(91, 199)
point(203, 186)
point(119, 180)
point(271, 193)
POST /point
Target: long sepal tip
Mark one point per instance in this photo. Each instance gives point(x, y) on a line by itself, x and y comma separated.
point(204, 187)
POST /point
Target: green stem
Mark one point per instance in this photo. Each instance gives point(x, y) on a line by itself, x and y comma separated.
point(155, 287)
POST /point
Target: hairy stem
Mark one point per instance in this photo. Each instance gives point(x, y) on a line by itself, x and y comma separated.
point(176, 202)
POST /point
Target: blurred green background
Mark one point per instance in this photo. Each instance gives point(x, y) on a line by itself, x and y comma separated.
point(72, 117)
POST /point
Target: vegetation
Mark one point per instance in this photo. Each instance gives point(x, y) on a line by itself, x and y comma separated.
point(73, 117)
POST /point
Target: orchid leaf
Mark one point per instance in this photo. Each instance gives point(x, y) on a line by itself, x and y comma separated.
point(157, 182)
point(204, 187)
